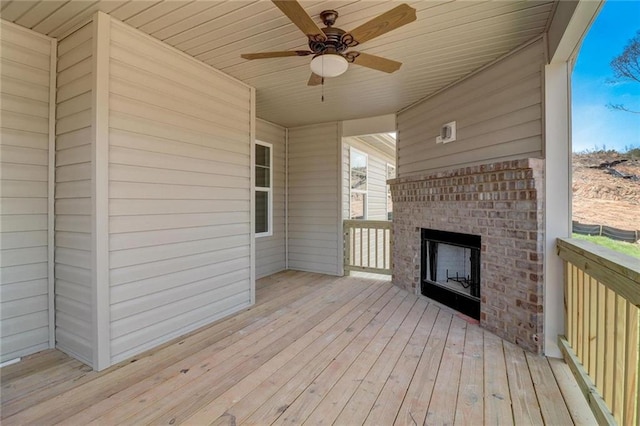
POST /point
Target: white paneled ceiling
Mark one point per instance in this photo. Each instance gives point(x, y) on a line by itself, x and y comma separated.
point(449, 40)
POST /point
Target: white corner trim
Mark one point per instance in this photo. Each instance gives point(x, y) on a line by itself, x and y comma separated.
point(286, 199)
point(252, 198)
point(339, 196)
point(51, 187)
point(100, 192)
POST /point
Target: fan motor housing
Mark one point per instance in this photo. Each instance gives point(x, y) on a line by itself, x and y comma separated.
point(337, 40)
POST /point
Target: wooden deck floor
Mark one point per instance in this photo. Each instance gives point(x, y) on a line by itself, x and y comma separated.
point(316, 350)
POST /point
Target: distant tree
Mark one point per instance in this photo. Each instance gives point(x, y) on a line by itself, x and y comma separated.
point(626, 66)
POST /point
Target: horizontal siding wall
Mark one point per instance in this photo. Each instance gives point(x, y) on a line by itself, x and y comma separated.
point(73, 286)
point(498, 113)
point(180, 193)
point(314, 161)
point(376, 178)
point(24, 161)
point(270, 251)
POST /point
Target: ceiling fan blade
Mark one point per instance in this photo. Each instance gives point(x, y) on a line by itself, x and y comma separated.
point(388, 21)
point(285, 53)
point(300, 17)
point(314, 80)
point(376, 62)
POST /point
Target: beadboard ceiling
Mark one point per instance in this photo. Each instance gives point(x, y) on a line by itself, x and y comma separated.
point(449, 40)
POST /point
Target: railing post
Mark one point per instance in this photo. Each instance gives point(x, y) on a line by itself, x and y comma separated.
point(347, 249)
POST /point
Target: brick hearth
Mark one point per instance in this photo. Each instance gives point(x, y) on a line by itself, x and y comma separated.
point(503, 203)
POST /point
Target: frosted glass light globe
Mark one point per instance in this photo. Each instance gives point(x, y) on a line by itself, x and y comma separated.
point(329, 65)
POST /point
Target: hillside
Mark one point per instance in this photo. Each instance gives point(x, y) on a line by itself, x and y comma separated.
point(600, 197)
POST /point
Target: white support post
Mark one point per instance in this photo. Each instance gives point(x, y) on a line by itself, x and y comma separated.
point(569, 26)
point(557, 197)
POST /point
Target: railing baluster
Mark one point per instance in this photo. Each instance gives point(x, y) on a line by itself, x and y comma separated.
point(574, 319)
point(384, 253)
point(361, 247)
point(585, 318)
point(609, 353)
point(376, 232)
point(355, 242)
point(632, 323)
point(568, 294)
point(593, 326)
point(602, 291)
point(580, 313)
point(620, 345)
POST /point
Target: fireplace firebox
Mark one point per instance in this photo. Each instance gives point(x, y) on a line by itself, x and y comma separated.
point(450, 270)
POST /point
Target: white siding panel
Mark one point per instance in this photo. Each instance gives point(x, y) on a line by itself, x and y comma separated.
point(169, 236)
point(19, 71)
point(25, 106)
point(23, 290)
point(73, 189)
point(198, 315)
point(498, 114)
point(314, 150)
point(270, 251)
point(179, 206)
point(24, 150)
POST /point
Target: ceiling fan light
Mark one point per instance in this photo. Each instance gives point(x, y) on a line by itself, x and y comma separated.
point(329, 65)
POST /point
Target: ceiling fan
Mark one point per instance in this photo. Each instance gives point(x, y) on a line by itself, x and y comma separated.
point(329, 45)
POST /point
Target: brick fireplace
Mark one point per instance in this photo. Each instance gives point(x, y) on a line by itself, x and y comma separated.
point(503, 204)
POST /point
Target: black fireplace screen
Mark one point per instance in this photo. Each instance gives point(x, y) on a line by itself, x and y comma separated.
point(451, 269)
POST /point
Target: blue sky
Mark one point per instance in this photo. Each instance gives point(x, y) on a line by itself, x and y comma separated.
point(594, 125)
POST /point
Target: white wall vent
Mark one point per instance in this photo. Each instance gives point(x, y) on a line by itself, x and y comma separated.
point(447, 133)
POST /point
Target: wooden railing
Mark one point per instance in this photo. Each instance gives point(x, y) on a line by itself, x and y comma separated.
point(367, 246)
point(602, 296)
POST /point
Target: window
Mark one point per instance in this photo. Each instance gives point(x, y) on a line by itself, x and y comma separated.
point(358, 177)
point(391, 174)
point(263, 192)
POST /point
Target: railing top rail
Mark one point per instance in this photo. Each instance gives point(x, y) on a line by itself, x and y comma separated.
point(619, 272)
point(359, 223)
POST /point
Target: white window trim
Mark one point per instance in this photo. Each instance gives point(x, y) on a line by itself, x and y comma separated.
point(360, 191)
point(269, 190)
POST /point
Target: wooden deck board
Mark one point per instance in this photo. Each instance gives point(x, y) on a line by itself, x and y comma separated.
point(306, 366)
point(442, 408)
point(497, 400)
point(359, 405)
point(469, 406)
point(416, 402)
point(386, 407)
point(314, 349)
point(310, 394)
point(343, 391)
point(523, 397)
